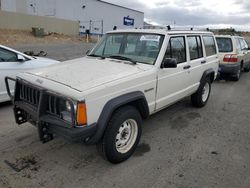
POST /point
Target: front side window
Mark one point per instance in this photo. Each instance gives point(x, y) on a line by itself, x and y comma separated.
point(137, 47)
point(224, 44)
point(210, 46)
point(7, 56)
point(195, 47)
point(176, 49)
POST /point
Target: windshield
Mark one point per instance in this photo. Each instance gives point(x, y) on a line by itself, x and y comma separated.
point(135, 47)
point(224, 44)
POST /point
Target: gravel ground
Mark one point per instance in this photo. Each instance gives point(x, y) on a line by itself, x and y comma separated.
point(181, 146)
point(60, 51)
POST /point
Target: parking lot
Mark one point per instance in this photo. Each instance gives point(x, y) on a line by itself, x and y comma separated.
point(181, 146)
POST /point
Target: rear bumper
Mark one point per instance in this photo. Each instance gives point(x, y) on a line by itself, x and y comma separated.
point(229, 68)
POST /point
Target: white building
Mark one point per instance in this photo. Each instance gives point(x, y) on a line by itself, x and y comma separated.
point(94, 15)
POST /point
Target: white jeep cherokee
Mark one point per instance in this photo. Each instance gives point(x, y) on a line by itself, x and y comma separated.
point(103, 97)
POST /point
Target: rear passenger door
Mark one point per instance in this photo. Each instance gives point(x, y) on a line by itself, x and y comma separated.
point(197, 60)
point(203, 55)
point(173, 82)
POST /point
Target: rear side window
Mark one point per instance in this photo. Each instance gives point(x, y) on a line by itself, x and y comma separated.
point(243, 44)
point(176, 49)
point(224, 44)
point(210, 46)
point(195, 47)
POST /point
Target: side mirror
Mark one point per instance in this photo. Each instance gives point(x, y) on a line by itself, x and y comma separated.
point(20, 58)
point(169, 63)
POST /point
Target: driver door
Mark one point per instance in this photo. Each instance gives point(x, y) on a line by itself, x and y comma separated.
point(9, 66)
point(173, 83)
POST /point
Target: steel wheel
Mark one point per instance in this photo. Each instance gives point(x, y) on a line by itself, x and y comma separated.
point(126, 136)
point(205, 92)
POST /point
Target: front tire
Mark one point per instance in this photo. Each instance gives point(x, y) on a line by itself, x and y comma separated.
point(122, 135)
point(200, 98)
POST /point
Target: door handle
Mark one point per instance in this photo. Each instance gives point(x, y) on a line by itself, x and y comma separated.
point(187, 67)
point(202, 62)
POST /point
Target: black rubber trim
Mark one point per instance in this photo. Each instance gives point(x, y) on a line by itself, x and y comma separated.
point(114, 104)
point(75, 134)
point(206, 73)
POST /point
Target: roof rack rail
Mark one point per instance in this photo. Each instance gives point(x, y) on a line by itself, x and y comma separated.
point(176, 28)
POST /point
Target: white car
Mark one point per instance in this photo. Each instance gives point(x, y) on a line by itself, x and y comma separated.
point(103, 97)
point(12, 62)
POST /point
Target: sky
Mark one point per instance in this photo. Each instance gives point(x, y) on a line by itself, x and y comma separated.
point(194, 13)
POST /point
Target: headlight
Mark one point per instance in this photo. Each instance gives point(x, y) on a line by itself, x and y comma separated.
point(66, 109)
point(68, 106)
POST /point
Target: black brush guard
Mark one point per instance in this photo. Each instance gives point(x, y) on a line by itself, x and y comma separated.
point(39, 107)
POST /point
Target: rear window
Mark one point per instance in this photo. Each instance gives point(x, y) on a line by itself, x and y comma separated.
point(224, 44)
point(209, 45)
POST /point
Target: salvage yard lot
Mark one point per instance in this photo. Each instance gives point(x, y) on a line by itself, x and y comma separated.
point(181, 146)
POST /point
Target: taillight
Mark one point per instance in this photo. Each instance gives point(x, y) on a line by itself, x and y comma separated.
point(232, 58)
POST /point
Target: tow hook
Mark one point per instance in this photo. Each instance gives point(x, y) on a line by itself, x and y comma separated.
point(43, 133)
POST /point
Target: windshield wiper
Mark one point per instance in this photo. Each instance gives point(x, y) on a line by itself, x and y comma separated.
point(94, 55)
point(122, 58)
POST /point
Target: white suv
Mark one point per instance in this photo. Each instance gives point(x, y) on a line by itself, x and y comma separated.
point(103, 97)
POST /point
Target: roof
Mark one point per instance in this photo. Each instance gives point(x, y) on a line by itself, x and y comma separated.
point(228, 36)
point(120, 6)
point(160, 31)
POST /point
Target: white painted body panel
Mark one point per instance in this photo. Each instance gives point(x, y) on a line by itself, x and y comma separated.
point(96, 81)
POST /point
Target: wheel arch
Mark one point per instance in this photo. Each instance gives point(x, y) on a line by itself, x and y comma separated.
point(210, 73)
point(136, 99)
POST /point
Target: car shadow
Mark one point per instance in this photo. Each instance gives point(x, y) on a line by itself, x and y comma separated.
point(5, 104)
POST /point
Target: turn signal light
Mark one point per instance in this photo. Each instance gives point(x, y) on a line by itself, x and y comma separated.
point(81, 114)
point(232, 58)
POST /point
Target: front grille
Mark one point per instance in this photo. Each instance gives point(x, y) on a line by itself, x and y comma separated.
point(38, 102)
point(29, 94)
point(53, 105)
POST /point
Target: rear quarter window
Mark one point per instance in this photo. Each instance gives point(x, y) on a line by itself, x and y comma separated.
point(210, 46)
point(224, 44)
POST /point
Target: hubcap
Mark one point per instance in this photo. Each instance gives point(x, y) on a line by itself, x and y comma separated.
point(205, 92)
point(126, 136)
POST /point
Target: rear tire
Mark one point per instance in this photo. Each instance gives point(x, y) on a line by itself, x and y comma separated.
point(200, 98)
point(122, 135)
point(247, 69)
point(237, 76)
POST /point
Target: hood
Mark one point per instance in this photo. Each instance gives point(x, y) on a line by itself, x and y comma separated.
point(44, 61)
point(87, 72)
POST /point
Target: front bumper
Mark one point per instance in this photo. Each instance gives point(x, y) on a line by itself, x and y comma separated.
point(229, 68)
point(31, 105)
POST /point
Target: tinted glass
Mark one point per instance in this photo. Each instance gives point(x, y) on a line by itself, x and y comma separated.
point(176, 49)
point(139, 47)
point(210, 46)
point(224, 44)
point(195, 48)
point(7, 56)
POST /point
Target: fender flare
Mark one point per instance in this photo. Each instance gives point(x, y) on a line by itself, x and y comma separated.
point(110, 107)
point(206, 74)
